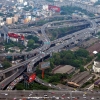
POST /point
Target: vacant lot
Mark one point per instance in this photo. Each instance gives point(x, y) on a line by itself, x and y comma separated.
point(95, 47)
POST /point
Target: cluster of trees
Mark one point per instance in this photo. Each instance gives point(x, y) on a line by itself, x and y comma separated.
point(60, 32)
point(48, 77)
point(36, 39)
point(33, 42)
point(32, 86)
point(98, 33)
point(5, 64)
point(76, 59)
point(13, 44)
point(68, 10)
point(98, 57)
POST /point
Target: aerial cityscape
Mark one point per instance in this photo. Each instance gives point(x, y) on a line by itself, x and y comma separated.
point(50, 49)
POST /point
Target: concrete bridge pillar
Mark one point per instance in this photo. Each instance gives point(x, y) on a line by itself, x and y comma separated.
point(59, 50)
point(17, 69)
point(4, 76)
point(12, 58)
point(50, 54)
point(29, 68)
point(4, 36)
point(25, 57)
point(28, 56)
point(95, 31)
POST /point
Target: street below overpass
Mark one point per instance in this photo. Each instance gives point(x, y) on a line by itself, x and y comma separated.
point(49, 95)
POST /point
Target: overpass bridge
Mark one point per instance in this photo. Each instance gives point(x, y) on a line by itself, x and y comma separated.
point(47, 50)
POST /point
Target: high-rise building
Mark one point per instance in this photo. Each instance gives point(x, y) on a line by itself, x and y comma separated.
point(9, 20)
point(20, 1)
point(15, 19)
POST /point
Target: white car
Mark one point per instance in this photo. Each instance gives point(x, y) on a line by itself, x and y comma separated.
point(57, 97)
point(68, 97)
point(92, 98)
point(49, 84)
point(6, 94)
point(84, 97)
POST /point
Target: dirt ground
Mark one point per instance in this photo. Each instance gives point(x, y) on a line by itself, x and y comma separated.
point(95, 47)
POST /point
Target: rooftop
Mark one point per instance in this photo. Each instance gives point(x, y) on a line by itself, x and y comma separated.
point(97, 64)
point(64, 69)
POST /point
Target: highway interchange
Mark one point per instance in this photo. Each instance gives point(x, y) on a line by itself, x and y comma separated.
point(64, 41)
point(46, 50)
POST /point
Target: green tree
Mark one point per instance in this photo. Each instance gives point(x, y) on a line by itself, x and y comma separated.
point(56, 57)
point(20, 86)
point(30, 43)
point(82, 53)
point(6, 64)
point(98, 33)
point(98, 56)
point(29, 36)
point(36, 39)
point(76, 63)
point(82, 69)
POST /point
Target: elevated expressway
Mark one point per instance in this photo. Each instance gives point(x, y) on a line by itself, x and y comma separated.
point(43, 37)
point(76, 22)
point(47, 50)
point(55, 49)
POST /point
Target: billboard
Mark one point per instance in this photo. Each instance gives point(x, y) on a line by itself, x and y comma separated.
point(54, 8)
point(44, 65)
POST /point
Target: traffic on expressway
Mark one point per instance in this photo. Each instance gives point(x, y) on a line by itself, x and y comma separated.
point(76, 37)
point(64, 41)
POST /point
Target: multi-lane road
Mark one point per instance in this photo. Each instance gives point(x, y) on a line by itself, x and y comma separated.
point(50, 95)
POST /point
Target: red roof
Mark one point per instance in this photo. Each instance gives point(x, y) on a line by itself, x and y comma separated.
point(22, 37)
point(32, 78)
point(13, 35)
point(16, 36)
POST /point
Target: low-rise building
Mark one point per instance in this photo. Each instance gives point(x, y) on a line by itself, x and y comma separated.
point(79, 79)
point(96, 66)
point(89, 87)
point(2, 48)
point(16, 49)
point(63, 69)
point(97, 83)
